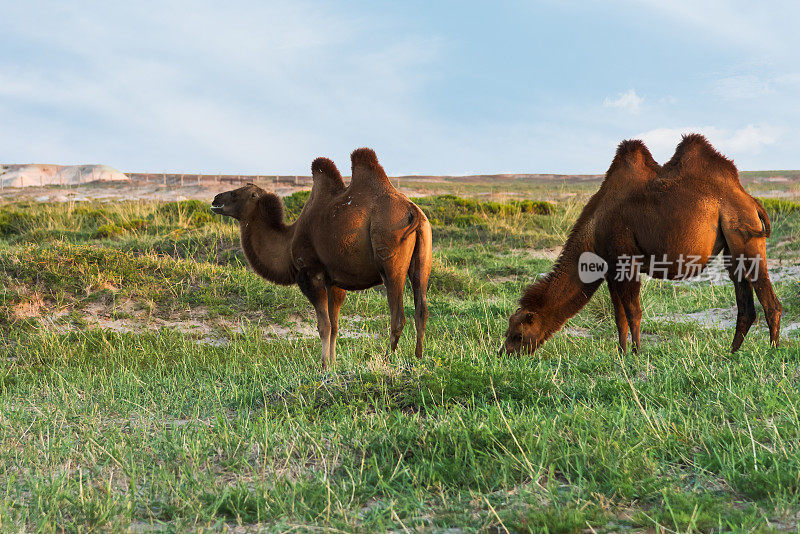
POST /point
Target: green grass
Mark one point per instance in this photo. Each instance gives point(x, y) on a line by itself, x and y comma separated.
point(779, 206)
point(167, 428)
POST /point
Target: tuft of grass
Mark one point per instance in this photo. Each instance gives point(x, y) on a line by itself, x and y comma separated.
point(445, 210)
point(185, 212)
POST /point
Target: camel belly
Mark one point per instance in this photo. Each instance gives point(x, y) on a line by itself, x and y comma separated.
point(355, 282)
point(347, 258)
point(679, 256)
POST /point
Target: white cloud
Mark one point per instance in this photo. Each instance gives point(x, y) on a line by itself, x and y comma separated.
point(628, 101)
point(750, 139)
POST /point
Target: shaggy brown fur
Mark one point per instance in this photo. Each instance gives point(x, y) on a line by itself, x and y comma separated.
point(344, 239)
point(646, 218)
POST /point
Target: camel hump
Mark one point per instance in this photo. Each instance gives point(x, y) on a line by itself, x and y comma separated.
point(633, 155)
point(636, 152)
point(327, 169)
point(695, 153)
point(366, 169)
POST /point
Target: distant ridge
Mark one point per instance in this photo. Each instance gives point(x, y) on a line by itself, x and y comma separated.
point(34, 174)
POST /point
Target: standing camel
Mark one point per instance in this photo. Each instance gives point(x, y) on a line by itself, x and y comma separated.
point(345, 238)
point(664, 221)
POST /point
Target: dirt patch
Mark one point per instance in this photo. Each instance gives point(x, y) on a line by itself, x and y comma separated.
point(578, 331)
point(126, 316)
point(783, 271)
point(29, 308)
point(354, 327)
point(507, 278)
point(536, 254)
point(720, 319)
point(791, 327)
point(346, 333)
point(546, 253)
point(298, 329)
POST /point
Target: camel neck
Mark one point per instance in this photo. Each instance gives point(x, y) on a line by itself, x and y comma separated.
point(561, 294)
point(268, 249)
point(563, 298)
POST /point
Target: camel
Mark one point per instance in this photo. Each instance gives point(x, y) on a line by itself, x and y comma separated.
point(345, 238)
point(646, 218)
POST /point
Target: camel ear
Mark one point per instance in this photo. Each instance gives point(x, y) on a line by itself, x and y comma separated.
point(528, 318)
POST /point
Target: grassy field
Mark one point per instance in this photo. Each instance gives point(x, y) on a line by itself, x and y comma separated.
point(150, 381)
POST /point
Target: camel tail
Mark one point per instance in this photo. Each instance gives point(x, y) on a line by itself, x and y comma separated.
point(423, 247)
point(415, 216)
point(762, 214)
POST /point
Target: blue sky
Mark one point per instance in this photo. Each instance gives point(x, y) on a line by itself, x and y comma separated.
point(435, 88)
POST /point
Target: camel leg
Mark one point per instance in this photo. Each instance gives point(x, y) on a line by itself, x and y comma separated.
point(394, 293)
point(335, 300)
point(313, 287)
point(766, 296)
point(772, 306)
point(619, 317)
point(629, 295)
point(419, 271)
point(746, 308)
point(750, 263)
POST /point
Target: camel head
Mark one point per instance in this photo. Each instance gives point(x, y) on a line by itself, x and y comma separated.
point(525, 332)
point(238, 203)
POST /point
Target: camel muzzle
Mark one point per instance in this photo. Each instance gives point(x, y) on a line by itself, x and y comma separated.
point(218, 204)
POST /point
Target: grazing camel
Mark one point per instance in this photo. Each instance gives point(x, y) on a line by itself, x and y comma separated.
point(664, 221)
point(345, 238)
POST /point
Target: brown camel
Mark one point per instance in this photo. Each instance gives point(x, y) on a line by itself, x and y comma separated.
point(664, 221)
point(345, 238)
